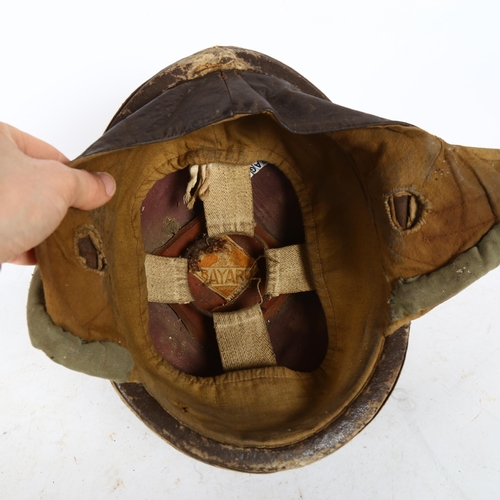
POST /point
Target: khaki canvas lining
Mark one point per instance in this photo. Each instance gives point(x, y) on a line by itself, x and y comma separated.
point(246, 407)
point(355, 254)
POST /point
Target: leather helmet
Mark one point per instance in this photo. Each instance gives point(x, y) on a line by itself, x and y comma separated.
point(249, 287)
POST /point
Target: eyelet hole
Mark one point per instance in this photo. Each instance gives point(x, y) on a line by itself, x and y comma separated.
point(405, 210)
point(89, 249)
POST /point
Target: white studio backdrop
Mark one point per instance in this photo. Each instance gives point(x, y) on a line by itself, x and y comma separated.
point(65, 70)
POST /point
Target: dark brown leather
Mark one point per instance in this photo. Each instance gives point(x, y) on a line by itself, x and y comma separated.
point(188, 106)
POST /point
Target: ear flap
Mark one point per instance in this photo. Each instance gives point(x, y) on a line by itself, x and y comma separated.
point(100, 359)
point(414, 296)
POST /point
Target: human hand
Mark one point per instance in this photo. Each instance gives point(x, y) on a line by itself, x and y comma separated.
point(36, 190)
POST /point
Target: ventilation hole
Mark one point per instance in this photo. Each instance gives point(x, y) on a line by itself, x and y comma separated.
point(89, 248)
point(405, 210)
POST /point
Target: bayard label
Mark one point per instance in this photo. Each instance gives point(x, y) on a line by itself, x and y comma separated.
point(228, 271)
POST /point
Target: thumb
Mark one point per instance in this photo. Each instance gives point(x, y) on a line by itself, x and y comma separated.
point(92, 190)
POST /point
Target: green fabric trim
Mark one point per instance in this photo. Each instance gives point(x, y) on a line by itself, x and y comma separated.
point(416, 295)
point(100, 359)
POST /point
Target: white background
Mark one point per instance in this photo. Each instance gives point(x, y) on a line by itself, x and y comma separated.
point(64, 70)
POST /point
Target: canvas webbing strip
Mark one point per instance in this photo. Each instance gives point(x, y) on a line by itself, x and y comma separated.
point(288, 270)
point(167, 279)
point(243, 339)
point(100, 359)
point(228, 201)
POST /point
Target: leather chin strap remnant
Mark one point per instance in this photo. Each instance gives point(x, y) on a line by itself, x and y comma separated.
point(242, 336)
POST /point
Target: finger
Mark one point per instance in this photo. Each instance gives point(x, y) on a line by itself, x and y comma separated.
point(32, 146)
point(25, 259)
point(91, 190)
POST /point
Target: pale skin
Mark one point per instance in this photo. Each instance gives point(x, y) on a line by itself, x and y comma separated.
point(36, 191)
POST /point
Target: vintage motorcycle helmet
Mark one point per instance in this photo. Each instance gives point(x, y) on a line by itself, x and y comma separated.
point(249, 287)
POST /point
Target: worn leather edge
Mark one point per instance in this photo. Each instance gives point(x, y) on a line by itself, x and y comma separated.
point(212, 59)
point(167, 90)
point(178, 111)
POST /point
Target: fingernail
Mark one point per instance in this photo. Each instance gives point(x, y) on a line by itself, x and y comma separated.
point(109, 183)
